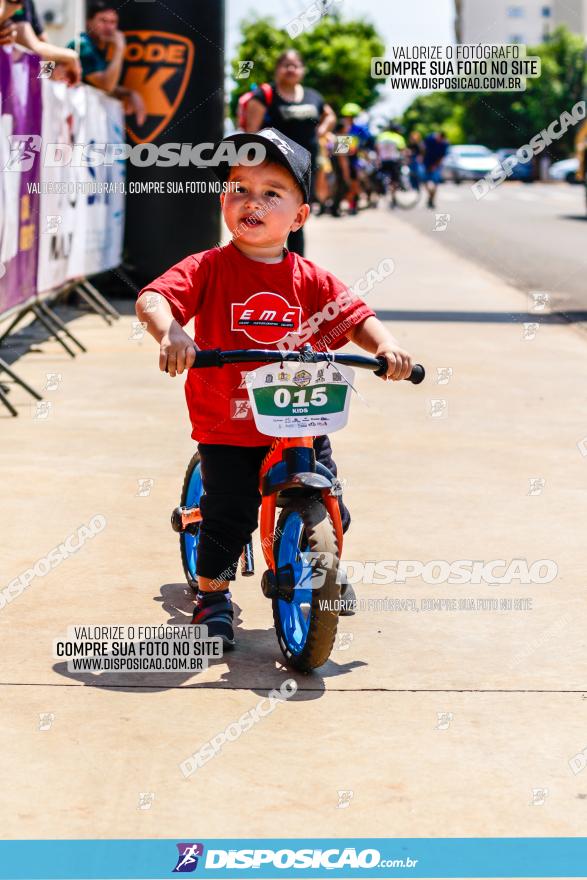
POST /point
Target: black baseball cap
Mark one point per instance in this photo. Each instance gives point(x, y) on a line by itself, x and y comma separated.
point(280, 148)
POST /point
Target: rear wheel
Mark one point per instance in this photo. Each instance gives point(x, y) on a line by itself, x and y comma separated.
point(306, 625)
point(188, 541)
point(406, 195)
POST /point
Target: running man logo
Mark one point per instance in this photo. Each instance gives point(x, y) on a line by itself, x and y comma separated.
point(188, 855)
point(158, 65)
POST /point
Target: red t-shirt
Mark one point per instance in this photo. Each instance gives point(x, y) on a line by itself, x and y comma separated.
point(242, 303)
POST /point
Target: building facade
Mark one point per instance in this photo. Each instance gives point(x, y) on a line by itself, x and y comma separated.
point(524, 21)
point(63, 19)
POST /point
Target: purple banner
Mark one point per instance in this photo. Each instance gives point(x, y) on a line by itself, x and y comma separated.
point(20, 114)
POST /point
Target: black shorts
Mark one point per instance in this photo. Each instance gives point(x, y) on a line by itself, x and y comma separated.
point(230, 503)
point(392, 168)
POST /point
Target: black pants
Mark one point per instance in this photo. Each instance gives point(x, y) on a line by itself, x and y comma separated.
point(231, 499)
point(391, 167)
point(341, 187)
point(295, 240)
point(296, 243)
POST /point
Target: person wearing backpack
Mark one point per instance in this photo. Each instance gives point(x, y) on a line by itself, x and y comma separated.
point(298, 112)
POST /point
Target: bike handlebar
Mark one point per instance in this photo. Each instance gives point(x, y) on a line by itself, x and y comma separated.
point(217, 358)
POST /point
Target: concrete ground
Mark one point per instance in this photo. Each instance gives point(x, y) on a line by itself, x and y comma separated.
point(439, 722)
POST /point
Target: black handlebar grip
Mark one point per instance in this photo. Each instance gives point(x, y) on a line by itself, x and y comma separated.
point(417, 374)
point(208, 358)
point(383, 368)
point(415, 377)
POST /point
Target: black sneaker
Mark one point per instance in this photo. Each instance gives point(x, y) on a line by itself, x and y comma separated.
point(348, 599)
point(214, 610)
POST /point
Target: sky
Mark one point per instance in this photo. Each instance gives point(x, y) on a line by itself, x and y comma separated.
point(407, 22)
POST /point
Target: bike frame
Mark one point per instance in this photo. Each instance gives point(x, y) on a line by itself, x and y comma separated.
point(269, 499)
point(274, 457)
point(282, 468)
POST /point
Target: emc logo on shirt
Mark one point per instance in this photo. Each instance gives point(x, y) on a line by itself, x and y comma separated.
point(265, 317)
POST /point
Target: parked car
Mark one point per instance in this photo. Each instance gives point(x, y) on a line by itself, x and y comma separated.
point(566, 169)
point(519, 171)
point(468, 162)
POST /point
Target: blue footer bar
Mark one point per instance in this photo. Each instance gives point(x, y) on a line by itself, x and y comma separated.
point(274, 858)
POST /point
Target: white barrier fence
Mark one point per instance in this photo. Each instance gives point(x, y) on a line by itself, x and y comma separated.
point(58, 222)
point(86, 236)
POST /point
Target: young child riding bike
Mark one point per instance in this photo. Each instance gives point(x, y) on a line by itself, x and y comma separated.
point(252, 292)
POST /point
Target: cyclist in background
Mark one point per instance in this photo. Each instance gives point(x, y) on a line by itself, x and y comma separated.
point(339, 160)
point(358, 139)
point(324, 171)
point(416, 153)
point(391, 145)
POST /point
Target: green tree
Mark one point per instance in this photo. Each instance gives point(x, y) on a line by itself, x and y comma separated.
point(437, 111)
point(503, 119)
point(337, 55)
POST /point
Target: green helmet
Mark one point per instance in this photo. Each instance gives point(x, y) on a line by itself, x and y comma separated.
point(350, 109)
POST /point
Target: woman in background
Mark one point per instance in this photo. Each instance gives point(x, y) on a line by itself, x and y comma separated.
point(298, 112)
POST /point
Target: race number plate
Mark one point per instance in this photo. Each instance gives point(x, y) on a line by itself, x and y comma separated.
point(299, 399)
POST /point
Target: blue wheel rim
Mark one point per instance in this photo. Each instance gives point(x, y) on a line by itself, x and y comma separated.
point(295, 616)
point(190, 542)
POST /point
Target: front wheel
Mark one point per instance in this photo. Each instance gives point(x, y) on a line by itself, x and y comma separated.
point(188, 540)
point(306, 625)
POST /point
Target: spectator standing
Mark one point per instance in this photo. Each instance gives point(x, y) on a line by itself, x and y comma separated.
point(27, 30)
point(7, 26)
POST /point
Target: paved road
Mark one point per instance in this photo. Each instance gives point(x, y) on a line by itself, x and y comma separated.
point(533, 236)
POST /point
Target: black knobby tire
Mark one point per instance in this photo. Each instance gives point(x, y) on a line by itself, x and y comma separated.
point(320, 537)
point(194, 462)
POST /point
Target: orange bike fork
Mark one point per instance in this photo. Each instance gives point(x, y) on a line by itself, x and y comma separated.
point(267, 528)
point(331, 505)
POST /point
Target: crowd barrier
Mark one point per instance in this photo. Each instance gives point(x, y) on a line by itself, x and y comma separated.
point(60, 221)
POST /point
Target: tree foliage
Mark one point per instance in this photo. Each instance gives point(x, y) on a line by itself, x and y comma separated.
point(434, 112)
point(337, 55)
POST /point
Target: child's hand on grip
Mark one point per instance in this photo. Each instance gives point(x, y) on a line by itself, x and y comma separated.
point(399, 362)
point(177, 351)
